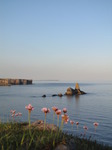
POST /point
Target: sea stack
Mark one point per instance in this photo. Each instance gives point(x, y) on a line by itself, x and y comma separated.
point(77, 86)
point(76, 91)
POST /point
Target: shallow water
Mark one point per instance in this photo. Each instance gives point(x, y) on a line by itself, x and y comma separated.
point(96, 105)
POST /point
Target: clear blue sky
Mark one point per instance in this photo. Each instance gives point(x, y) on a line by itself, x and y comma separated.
point(56, 39)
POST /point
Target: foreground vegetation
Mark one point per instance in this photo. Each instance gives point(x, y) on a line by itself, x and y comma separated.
point(16, 136)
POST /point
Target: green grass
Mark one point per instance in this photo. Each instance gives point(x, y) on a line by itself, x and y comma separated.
point(15, 136)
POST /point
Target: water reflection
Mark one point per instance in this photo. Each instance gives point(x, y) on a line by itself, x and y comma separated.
point(77, 97)
point(70, 97)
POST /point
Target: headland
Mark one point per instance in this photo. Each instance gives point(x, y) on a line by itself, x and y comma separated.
point(8, 82)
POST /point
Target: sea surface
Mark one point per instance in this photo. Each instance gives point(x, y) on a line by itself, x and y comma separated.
point(95, 106)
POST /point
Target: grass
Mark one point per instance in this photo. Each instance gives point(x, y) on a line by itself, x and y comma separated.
point(15, 136)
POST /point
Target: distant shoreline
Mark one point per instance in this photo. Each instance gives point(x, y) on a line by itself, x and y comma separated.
point(9, 82)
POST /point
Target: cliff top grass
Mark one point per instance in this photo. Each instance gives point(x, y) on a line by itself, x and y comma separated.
point(15, 136)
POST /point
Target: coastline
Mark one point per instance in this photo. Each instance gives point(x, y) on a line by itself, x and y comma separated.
point(9, 82)
point(20, 136)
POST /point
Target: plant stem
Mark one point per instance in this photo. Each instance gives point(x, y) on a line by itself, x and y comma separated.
point(45, 121)
point(61, 127)
point(53, 117)
point(53, 121)
point(72, 127)
point(58, 120)
point(29, 118)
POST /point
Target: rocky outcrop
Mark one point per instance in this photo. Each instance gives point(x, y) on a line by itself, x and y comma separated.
point(7, 82)
point(76, 91)
point(54, 95)
point(39, 124)
point(4, 82)
point(62, 147)
point(44, 95)
point(60, 94)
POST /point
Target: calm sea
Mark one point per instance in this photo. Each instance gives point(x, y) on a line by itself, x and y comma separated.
point(96, 105)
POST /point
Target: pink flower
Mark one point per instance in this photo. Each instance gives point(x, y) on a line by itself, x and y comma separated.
point(95, 124)
point(18, 114)
point(64, 110)
point(45, 110)
point(58, 112)
point(54, 109)
point(65, 118)
point(77, 123)
point(72, 122)
point(29, 108)
point(13, 111)
point(13, 115)
point(85, 127)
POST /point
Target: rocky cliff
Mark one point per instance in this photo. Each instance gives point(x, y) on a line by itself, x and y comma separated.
point(7, 82)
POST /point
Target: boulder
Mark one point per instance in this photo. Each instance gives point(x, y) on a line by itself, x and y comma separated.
point(54, 95)
point(71, 91)
point(39, 124)
point(62, 147)
point(44, 95)
point(60, 95)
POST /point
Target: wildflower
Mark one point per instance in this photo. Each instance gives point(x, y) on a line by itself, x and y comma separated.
point(18, 114)
point(96, 124)
point(64, 110)
point(58, 112)
point(65, 118)
point(77, 124)
point(45, 110)
point(72, 122)
point(54, 109)
point(12, 115)
point(13, 111)
point(29, 108)
point(85, 127)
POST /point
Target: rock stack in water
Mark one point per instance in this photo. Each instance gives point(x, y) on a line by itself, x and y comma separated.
point(76, 91)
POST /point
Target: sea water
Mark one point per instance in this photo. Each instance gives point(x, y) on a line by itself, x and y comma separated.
point(95, 106)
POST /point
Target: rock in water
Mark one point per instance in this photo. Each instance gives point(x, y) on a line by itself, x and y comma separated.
point(54, 95)
point(75, 91)
point(77, 86)
point(60, 95)
point(71, 91)
point(43, 95)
